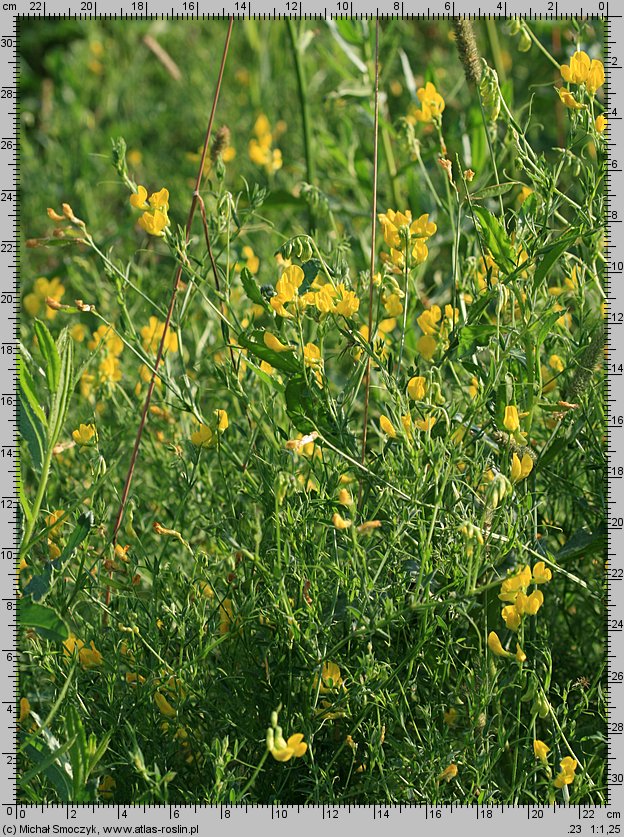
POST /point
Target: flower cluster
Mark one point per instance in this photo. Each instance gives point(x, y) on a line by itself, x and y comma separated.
point(88, 656)
point(588, 75)
point(431, 105)
point(405, 237)
point(207, 435)
point(513, 591)
point(155, 218)
point(280, 749)
point(106, 341)
point(261, 151)
point(326, 297)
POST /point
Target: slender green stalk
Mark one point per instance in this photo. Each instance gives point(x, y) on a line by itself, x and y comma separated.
point(36, 506)
point(305, 110)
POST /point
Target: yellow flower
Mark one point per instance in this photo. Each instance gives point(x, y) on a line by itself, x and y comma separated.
point(84, 434)
point(106, 787)
point(520, 655)
point(401, 232)
point(109, 370)
point(448, 773)
point(541, 751)
point(24, 711)
point(514, 584)
point(512, 617)
point(406, 421)
point(556, 363)
point(163, 705)
point(340, 522)
point(272, 342)
point(511, 420)
point(205, 436)
point(155, 218)
point(347, 303)
point(494, 644)
point(568, 99)
point(331, 679)
point(282, 750)
point(35, 302)
point(89, 657)
point(595, 76)
point(152, 335)
point(261, 152)
point(520, 469)
point(566, 776)
point(429, 319)
point(601, 123)
point(106, 339)
point(252, 262)
point(417, 388)
point(450, 717)
point(226, 616)
point(393, 305)
point(387, 427)
point(286, 289)
point(541, 573)
point(431, 104)
point(534, 602)
point(344, 497)
point(139, 199)
point(577, 71)
point(427, 345)
point(312, 356)
point(160, 200)
point(426, 423)
point(54, 521)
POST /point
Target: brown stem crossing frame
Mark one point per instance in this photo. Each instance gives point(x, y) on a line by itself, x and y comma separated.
point(174, 293)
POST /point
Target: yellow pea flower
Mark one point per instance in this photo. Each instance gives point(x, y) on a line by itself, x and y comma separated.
point(417, 388)
point(494, 644)
point(393, 305)
point(520, 469)
point(512, 618)
point(576, 72)
point(89, 657)
point(24, 711)
point(163, 705)
point(426, 423)
point(520, 655)
point(204, 437)
point(595, 76)
point(84, 434)
point(534, 602)
point(541, 573)
point(154, 223)
point(426, 346)
point(511, 420)
point(344, 497)
point(282, 750)
point(340, 522)
point(566, 776)
point(568, 99)
point(601, 123)
point(448, 773)
point(152, 335)
point(450, 717)
point(139, 199)
point(347, 303)
point(331, 679)
point(387, 427)
point(273, 343)
point(431, 104)
point(226, 616)
point(541, 751)
point(160, 200)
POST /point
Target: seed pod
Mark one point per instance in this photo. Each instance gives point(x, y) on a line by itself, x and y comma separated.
point(490, 92)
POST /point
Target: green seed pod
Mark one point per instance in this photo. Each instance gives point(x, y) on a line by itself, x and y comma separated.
point(543, 706)
point(524, 44)
point(490, 92)
point(514, 26)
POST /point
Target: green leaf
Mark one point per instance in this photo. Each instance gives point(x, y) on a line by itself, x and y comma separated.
point(47, 762)
point(301, 404)
point(349, 31)
point(583, 543)
point(46, 621)
point(48, 349)
point(85, 523)
point(32, 430)
point(28, 386)
point(284, 361)
point(552, 254)
point(78, 754)
point(496, 239)
point(250, 286)
point(39, 585)
point(60, 402)
point(494, 191)
point(472, 336)
point(311, 270)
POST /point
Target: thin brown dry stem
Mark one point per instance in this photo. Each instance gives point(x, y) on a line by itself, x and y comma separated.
point(174, 293)
point(372, 259)
point(163, 56)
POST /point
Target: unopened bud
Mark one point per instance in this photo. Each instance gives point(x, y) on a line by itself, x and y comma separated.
point(54, 215)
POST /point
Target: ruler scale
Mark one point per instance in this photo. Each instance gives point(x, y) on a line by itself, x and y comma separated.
point(101, 819)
